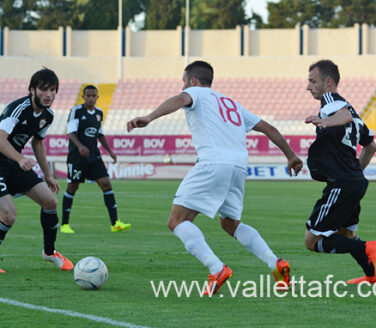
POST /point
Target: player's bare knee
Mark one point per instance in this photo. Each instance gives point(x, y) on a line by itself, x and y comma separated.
point(229, 225)
point(172, 223)
point(8, 217)
point(347, 233)
point(72, 188)
point(106, 186)
point(310, 244)
point(50, 203)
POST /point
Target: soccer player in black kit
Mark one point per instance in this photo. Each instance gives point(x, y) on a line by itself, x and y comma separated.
point(332, 159)
point(25, 118)
point(84, 160)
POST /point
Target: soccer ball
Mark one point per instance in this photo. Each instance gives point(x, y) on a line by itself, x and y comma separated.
point(90, 273)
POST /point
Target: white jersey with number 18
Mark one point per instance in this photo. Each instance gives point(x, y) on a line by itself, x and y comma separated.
point(218, 126)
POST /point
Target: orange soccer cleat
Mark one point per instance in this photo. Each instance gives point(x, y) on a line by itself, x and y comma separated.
point(282, 273)
point(356, 281)
point(217, 280)
point(62, 262)
point(371, 253)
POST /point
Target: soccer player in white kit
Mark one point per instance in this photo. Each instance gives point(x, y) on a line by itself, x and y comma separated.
point(218, 126)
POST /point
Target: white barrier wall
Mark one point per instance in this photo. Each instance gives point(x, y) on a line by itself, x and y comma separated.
point(94, 56)
point(205, 43)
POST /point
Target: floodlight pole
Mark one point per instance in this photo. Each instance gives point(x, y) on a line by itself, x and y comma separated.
point(120, 31)
point(186, 46)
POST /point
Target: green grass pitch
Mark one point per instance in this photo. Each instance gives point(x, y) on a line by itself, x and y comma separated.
point(149, 251)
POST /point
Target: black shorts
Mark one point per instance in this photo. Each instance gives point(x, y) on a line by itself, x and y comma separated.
point(338, 207)
point(14, 180)
point(79, 170)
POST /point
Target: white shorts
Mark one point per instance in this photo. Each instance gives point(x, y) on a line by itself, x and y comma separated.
point(212, 188)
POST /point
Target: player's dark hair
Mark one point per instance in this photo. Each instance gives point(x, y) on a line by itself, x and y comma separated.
point(44, 78)
point(90, 87)
point(327, 69)
point(201, 70)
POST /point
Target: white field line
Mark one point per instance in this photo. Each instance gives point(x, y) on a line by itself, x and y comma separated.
point(71, 314)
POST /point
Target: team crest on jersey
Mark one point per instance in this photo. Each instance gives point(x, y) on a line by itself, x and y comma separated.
point(42, 123)
point(98, 118)
point(21, 139)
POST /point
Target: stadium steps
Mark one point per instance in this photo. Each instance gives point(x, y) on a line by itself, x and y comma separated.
point(105, 92)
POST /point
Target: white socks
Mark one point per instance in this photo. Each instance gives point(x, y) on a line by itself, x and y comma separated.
point(194, 242)
point(251, 240)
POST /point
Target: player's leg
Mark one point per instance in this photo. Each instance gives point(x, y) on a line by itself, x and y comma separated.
point(347, 233)
point(68, 197)
point(202, 191)
point(97, 172)
point(43, 196)
point(181, 224)
point(7, 217)
point(334, 210)
point(109, 200)
point(249, 237)
point(76, 171)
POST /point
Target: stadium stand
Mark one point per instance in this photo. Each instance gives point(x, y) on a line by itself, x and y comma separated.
point(284, 102)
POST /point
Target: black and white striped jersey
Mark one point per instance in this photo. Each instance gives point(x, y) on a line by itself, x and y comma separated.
point(21, 122)
point(333, 154)
point(88, 127)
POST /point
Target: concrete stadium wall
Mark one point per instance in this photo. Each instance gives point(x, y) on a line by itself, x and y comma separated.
point(154, 43)
point(93, 43)
point(169, 43)
point(273, 42)
point(33, 43)
point(214, 42)
point(94, 56)
point(327, 41)
point(106, 69)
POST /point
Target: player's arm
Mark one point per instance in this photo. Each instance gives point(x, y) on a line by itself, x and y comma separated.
point(84, 151)
point(102, 139)
point(367, 154)
point(341, 117)
point(40, 154)
point(293, 162)
point(167, 107)
point(8, 150)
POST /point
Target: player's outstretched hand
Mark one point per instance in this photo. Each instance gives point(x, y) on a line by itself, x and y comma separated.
point(315, 120)
point(52, 184)
point(27, 163)
point(138, 122)
point(295, 164)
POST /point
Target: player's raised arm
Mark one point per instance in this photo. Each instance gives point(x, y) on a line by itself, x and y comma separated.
point(341, 117)
point(167, 107)
point(293, 162)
